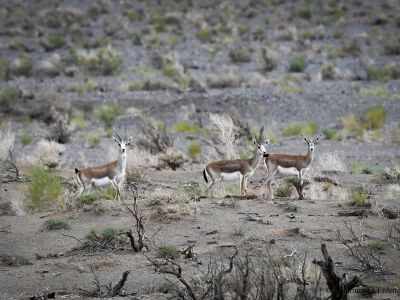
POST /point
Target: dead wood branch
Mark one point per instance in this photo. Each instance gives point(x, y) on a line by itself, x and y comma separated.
point(339, 286)
point(8, 167)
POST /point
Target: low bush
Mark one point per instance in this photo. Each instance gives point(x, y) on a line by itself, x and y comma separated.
point(93, 140)
point(383, 73)
point(106, 193)
point(239, 54)
point(297, 64)
point(106, 238)
point(79, 122)
point(14, 259)
point(22, 66)
point(9, 97)
point(374, 117)
point(186, 127)
point(169, 251)
point(284, 191)
point(204, 35)
point(194, 152)
point(107, 114)
point(25, 138)
point(359, 194)
point(56, 224)
point(44, 190)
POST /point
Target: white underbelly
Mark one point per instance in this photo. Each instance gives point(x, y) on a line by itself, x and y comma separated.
point(230, 176)
point(101, 181)
point(287, 171)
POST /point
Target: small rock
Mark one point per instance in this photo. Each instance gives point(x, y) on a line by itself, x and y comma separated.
point(391, 212)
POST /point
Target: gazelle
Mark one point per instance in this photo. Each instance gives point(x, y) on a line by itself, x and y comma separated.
point(229, 170)
point(110, 173)
point(280, 164)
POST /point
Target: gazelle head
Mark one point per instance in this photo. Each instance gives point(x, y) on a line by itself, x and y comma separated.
point(122, 143)
point(261, 147)
point(311, 143)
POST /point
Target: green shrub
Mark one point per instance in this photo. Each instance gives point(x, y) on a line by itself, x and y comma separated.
point(291, 89)
point(328, 72)
point(107, 193)
point(56, 224)
point(106, 238)
point(44, 190)
point(239, 54)
point(25, 138)
point(194, 151)
point(379, 73)
point(56, 42)
point(378, 92)
point(14, 259)
point(193, 190)
point(350, 123)
point(79, 122)
point(374, 117)
point(310, 128)
point(204, 35)
point(186, 127)
point(134, 15)
point(93, 140)
point(135, 85)
point(3, 69)
point(107, 114)
point(169, 251)
point(284, 191)
point(297, 64)
point(378, 245)
point(359, 194)
point(333, 134)
point(305, 14)
point(292, 129)
point(9, 96)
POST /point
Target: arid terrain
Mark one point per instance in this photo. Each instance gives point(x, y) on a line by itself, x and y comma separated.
point(193, 82)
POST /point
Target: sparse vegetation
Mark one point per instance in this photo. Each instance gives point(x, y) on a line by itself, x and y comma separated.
point(194, 152)
point(284, 191)
point(169, 251)
point(297, 129)
point(359, 194)
point(379, 73)
point(374, 117)
point(185, 127)
point(22, 66)
point(9, 96)
point(14, 259)
point(204, 35)
point(107, 114)
point(298, 64)
point(25, 138)
point(106, 193)
point(93, 140)
point(44, 190)
point(79, 122)
point(106, 238)
point(56, 224)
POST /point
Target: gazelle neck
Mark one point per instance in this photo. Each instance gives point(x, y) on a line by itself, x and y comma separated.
point(256, 159)
point(122, 161)
point(310, 155)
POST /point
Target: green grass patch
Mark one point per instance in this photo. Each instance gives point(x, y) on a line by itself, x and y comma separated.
point(79, 122)
point(294, 129)
point(135, 85)
point(333, 134)
point(379, 73)
point(359, 194)
point(284, 191)
point(305, 14)
point(9, 97)
point(193, 190)
point(56, 224)
point(14, 259)
point(204, 35)
point(194, 151)
point(185, 127)
point(297, 64)
point(25, 138)
point(378, 245)
point(134, 15)
point(25, 66)
point(379, 92)
point(169, 251)
point(107, 114)
point(106, 238)
point(105, 193)
point(374, 117)
point(93, 140)
point(44, 190)
point(291, 89)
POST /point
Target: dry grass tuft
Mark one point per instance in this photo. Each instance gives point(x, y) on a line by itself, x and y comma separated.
point(47, 153)
point(7, 143)
point(331, 161)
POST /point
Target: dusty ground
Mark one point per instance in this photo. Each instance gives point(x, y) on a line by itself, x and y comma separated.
point(181, 61)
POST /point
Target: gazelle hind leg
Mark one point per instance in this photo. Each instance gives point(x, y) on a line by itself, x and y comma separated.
point(81, 190)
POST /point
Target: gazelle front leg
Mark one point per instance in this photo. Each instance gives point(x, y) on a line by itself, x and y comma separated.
point(118, 196)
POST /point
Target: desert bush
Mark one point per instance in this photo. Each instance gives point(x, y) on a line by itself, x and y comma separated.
point(79, 122)
point(378, 92)
point(284, 191)
point(239, 54)
point(351, 123)
point(171, 158)
point(297, 64)
point(361, 168)
point(22, 66)
point(14, 259)
point(185, 127)
point(135, 85)
point(359, 194)
point(106, 193)
point(25, 138)
point(329, 72)
point(93, 140)
point(378, 245)
point(383, 73)
point(194, 152)
point(169, 251)
point(105, 61)
point(139, 162)
point(374, 117)
point(44, 190)
point(224, 80)
point(107, 114)
point(52, 42)
point(204, 35)
point(134, 15)
point(351, 47)
point(292, 129)
point(269, 60)
point(225, 136)
point(106, 238)
point(392, 46)
point(333, 134)
point(9, 96)
point(48, 154)
point(56, 224)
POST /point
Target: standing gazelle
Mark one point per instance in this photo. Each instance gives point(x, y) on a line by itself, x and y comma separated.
point(110, 173)
point(279, 164)
point(229, 170)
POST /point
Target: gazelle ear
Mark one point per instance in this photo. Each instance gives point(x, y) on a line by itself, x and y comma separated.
point(306, 140)
point(267, 141)
point(255, 141)
point(116, 139)
point(316, 140)
point(129, 141)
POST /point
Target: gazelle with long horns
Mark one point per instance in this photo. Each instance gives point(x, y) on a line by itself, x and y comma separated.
point(281, 164)
point(110, 173)
point(235, 169)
